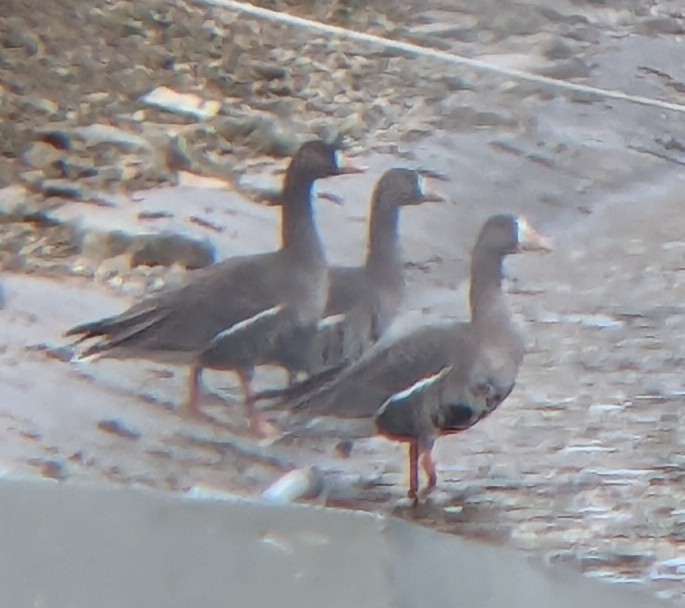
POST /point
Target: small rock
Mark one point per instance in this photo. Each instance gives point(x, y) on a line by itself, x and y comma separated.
point(133, 27)
point(45, 106)
point(566, 70)
point(457, 83)
point(167, 249)
point(524, 22)
point(154, 215)
point(61, 353)
point(581, 33)
point(204, 223)
point(71, 169)
point(490, 119)
point(268, 138)
point(268, 71)
point(204, 492)
point(231, 128)
point(192, 180)
point(461, 114)
point(51, 468)
point(594, 320)
point(558, 49)
point(63, 188)
point(16, 203)
point(297, 484)
point(117, 427)
point(177, 155)
point(31, 433)
point(77, 456)
point(41, 154)
point(59, 139)
point(96, 134)
point(675, 563)
point(660, 25)
point(182, 103)
point(17, 38)
point(136, 81)
point(100, 246)
point(453, 510)
point(344, 448)
point(98, 97)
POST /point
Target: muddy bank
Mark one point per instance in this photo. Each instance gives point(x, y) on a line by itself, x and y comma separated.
point(582, 463)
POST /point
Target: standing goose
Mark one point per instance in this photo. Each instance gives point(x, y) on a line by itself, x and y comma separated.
point(362, 300)
point(439, 379)
point(254, 300)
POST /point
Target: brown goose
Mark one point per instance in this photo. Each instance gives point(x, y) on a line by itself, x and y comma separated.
point(254, 300)
point(439, 379)
point(362, 300)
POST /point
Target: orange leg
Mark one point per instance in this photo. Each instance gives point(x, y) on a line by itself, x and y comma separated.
point(413, 470)
point(192, 404)
point(259, 425)
point(428, 465)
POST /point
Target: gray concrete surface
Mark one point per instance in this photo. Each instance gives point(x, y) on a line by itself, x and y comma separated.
point(71, 546)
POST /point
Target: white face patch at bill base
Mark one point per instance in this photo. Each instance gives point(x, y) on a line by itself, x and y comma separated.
point(421, 184)
point(245, 323)
point(529, 239)
point(522, 230)
point(339, 159)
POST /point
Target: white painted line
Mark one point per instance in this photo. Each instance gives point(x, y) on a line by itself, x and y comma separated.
point(422, 51)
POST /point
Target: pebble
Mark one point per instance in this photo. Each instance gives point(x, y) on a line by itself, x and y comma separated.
point(295, 485)
point(182, 103)
point(119, 428)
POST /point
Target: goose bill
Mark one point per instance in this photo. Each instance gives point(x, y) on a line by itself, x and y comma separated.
point(346, 166)
point(531, 240)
